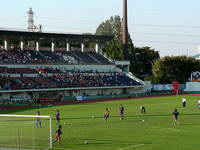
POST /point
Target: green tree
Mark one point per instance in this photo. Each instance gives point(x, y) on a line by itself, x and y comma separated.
point(141, 61)
point(112, 26)
point(140, 58)
point(114, 48)
point(174, 68)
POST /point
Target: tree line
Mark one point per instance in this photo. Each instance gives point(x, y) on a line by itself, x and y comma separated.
point(145, 62)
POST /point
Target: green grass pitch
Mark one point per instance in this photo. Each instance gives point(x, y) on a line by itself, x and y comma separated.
point(156, 132)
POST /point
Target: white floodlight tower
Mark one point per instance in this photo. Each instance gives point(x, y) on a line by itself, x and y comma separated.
point(30, 20)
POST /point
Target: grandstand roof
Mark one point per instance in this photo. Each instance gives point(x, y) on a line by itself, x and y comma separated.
point(25, 35)
point(197, 56)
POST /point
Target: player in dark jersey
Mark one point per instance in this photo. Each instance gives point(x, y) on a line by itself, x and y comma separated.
point(198, 105)
point(175, 116)
point(143, 110)
point(107, 114)
point(121, 112)
point(58, 135)
point(57, 117)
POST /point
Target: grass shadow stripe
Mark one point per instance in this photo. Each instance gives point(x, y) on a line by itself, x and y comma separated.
point(131, 146)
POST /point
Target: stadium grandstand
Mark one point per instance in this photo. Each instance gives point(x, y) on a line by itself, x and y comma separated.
point(34, 64)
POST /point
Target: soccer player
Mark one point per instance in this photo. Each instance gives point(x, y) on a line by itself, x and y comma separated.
point(57, 117)
point(58, 135)
point(106, 115)
point(38, 120)
point(175, 115)
point(198, 105)
point(121, 112)
point(143, 110)
point(184, 101)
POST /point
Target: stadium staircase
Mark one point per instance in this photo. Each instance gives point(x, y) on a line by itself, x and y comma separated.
point(130, 75)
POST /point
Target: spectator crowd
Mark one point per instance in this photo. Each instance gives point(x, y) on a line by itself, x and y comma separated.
point(55, 78)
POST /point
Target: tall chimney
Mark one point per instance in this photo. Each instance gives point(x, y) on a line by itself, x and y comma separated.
point(125, 31)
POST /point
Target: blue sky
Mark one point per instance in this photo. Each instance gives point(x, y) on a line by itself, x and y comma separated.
point(172, 26)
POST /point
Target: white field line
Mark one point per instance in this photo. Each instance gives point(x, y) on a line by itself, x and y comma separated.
point(132, 146)
point(15, 147)
point(24, 116)
point(61, 148)
point(172, 129)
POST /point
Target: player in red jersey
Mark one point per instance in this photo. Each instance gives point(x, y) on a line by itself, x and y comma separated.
point(57, 117)
point(58, 135)
point(107, 114)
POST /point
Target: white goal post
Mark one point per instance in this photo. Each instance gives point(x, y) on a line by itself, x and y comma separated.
point(22, 131)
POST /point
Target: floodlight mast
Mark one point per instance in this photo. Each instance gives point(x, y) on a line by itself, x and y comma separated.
point(30, 20)
point(125, 30)
point(31, 26)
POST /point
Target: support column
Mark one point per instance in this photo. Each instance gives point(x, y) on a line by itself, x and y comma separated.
point(37, 46)
point(67, 46)
point(100, 48)
point(52, 46)
point(82, 47)
point(21, 45)
point(5, 45)
point(97, 47)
